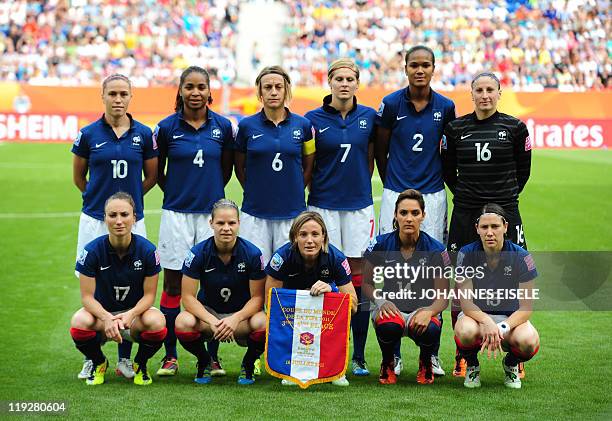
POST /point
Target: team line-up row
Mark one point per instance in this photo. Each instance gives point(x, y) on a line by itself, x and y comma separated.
point(415, 138)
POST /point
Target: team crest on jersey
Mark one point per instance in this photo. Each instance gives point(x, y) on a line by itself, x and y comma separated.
point(77, 141)
point(297, 134)
point(508, 270)
point(136, 141)
point(216, 133)
point(82, 257)
point(276, 262)
point(502, 135)
point(189, 258)
point(325, 272)
point(138, 265)
point(241, 267)
point(423, 261)
point(346, 266)
point(381, 109)
point(437, 116)
point(363, 123)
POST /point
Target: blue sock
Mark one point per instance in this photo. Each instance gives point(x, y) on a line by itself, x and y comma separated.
point(124, 349)
point(359, 324)
point(170, 341)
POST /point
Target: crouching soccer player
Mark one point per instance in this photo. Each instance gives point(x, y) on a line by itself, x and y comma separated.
point(118, 277)
point(416, 316)
point(496, 324)
point(227, 307)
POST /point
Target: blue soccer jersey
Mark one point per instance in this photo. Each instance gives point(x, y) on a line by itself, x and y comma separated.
point(274, 187)
point(415, 273)
point(414, 148)
point(194, 177)
point(287, 266)
point(341, 177)
point(224, 288)
point(119, 281)
point(115, 164)
point(515, 266)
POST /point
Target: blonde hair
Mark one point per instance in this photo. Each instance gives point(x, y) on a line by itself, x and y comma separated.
point(275, 70)
point(300, 220)
point(342, 63)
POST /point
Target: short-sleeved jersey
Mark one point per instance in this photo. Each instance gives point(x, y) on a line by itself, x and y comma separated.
point(115, 164)
point(119, 281)
point(224, 288)
point(429, 257)
point(194, 178)
point(341, 176)
point(274, 186)
point(414, 148)
point(516, 266)
point(287, 265)
point(486, 161)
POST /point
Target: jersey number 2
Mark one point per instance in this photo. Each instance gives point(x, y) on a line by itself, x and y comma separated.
point(417, 146)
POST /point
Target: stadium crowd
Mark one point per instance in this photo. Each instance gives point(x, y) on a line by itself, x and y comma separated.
point(532, 45)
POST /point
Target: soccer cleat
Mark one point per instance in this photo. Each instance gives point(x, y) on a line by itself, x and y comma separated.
point(215, 369)
point(342, 382)
point(397, 363)
point(360, 368)
point(245, 376)
point(141, 375)
point(521, 370)
point(425, 374)
point(86, 370)
point(203, 375)
point(436, 363)
point(125, 368)
point(169, 367)
point(387, 373)
point(512, 379)
point(96, 375)
point(257, 367)
point(460, 367)
point(472, 377)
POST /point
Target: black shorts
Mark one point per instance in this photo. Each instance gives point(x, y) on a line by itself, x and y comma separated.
point(462, 229)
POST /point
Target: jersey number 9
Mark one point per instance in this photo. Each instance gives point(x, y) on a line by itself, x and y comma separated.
point(225, 293)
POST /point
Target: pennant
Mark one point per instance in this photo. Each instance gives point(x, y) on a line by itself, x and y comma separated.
point(308, 337)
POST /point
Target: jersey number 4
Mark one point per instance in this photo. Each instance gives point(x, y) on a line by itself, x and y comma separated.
point(199, 159)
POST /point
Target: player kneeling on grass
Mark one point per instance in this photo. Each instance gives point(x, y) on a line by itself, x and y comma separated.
point(227, 307)
point(496, 324)
point(404, 278)
point(118, 277)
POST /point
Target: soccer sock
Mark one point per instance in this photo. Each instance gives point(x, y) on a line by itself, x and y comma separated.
point(256, 343)
point(213, 349)
point(88, 343)
point(428, 339)
point(389, 333)
point(454, 314)
point(359, 324)
point(516, 356)
point(193, 342)
point(469, 352)
point(436, 346)
point(149, 342)
point(170, 306)
point(124, 349)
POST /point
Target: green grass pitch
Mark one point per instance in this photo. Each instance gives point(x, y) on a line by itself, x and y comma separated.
point(566, 206)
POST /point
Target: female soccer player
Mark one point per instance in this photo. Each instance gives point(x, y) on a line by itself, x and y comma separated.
point(115, 151)
point(118, 277)
point(496, 324)
point(486, 159)
point(196, 158)
point(310, 262)
point(341, 189)
point(274, 159)
point(227, 307)
point(403, 306)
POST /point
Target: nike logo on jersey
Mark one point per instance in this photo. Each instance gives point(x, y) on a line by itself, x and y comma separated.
point(465, 136)
point(322, 130)
point(398, 118)
point(291, 275)
point(389, 261)
point(209, 270)
point(104, 267)
point(255, 136)
point(176, 136)
point(100, 144)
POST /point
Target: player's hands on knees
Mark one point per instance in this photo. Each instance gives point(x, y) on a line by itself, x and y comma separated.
point(319, 288)
point(225, 329)
point(388, 309)
point(420, 321)
point(112, 329)
point(491, 338)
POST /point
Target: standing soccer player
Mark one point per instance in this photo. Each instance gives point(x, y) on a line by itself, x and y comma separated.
point(410, 128)
point(341, 188)
point(487, 159)
point(115, 151)
point(196, 158)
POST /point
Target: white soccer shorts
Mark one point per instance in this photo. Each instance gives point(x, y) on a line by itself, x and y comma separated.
point(267, 234)
point(178, 233)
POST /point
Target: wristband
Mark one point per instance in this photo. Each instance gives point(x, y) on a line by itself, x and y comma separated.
point(503, 327)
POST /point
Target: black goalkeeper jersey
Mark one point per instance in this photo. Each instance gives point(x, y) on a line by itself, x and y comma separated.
point(486, 161)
